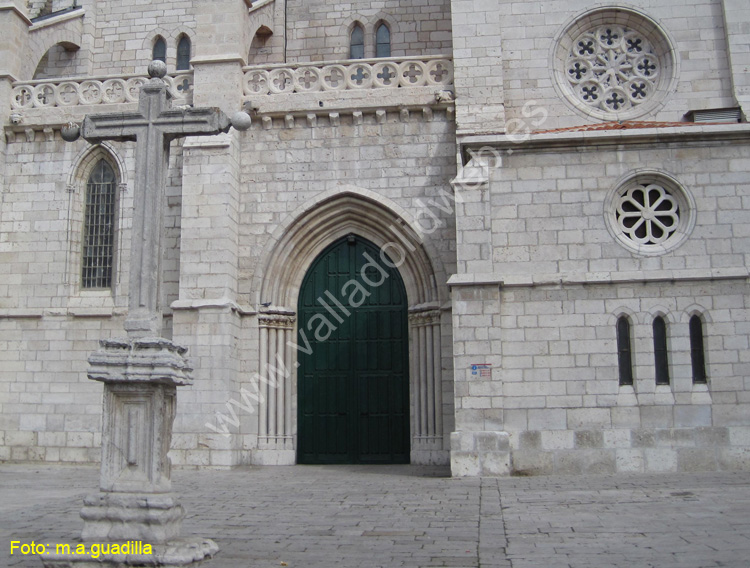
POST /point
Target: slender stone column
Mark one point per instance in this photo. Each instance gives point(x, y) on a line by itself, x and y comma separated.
point(263, 420)
point(281, 376)
point(427, 372)
point(275, 436)
point(437, 365)
point(270, 374)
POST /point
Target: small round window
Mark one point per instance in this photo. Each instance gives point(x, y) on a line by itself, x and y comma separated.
point(650, 214)
point(614, 64)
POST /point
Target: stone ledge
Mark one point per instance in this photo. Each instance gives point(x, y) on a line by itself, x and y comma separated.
point(581, 278)
point(333, 117)
point(21, 313)
point(691, 132)
point(253, 6)
point(217, 304)
point(53, 19)
point(223, 140)
point(81, 312)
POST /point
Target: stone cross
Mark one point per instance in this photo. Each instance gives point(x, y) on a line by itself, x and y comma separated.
point(141, 372)
point(153, 127)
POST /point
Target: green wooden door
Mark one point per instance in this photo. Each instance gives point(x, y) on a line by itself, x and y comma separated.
point(353, 404)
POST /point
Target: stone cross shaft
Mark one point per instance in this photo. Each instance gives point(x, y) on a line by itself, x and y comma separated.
point(153, 127)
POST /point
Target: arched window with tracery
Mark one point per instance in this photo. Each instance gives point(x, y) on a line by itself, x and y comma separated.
point(382, 41)
point(624, 351)
point(697, 352)
point(98, 246)
point(661, 355)
point(357, 42)
point(160, 50)
point(183, 53)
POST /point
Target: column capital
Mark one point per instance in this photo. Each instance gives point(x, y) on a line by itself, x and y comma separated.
point(277, 320)
point(430, 317)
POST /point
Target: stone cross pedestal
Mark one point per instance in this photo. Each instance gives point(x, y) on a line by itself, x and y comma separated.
point(141, 372)
point(140, 377)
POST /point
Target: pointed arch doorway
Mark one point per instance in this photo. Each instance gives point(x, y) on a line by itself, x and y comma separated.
point(353, 381)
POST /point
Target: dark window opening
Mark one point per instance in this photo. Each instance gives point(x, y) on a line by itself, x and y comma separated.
point(383, 41)
point(661, 359)
point(183, 54)
point(697, 353)
point(624, 352)
point(160, 50)
point(99, 228)
point(357, 45)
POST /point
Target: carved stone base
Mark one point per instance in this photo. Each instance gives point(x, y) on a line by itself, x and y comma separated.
point(140, 377)
point(189, 552)
point(430, 457)
point(149, 518)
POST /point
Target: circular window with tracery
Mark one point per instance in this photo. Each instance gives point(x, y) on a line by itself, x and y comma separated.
point(614, 64)
point(650, 214)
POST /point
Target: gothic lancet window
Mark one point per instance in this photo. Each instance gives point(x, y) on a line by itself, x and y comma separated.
point(160, 50)
point(183, 54)
point(697, 353)
point(357, 43)
point(99, 228)
point(661, 358)
point(382, 41)
point(624, 352)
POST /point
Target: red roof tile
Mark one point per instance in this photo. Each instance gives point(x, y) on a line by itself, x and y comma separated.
point(624, 125)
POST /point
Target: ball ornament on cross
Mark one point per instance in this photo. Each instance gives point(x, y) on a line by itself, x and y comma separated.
point(241, 121)
point(157, 69)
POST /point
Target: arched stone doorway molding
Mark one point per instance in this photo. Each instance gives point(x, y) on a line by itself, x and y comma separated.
point(288, 256)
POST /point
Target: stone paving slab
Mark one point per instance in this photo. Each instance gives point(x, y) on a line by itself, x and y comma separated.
point(383, 516)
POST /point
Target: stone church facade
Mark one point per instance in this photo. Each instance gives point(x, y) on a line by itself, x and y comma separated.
point(509, 236)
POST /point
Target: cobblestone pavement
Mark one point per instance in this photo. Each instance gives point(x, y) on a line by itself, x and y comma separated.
point(322, 516)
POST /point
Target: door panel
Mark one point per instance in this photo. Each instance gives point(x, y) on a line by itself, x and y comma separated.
point(354, 385)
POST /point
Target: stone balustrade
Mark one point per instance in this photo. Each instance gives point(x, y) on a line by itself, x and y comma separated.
point(73, 91)
point(361, 74)
point(346, 75)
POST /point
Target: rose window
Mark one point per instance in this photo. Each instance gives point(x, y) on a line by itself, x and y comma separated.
point(614, 65)
point(648, 214)
point(613, 68)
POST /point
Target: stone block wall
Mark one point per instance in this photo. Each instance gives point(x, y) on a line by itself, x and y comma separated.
point(60, 62)
point(548, 209)
point(406, 160)
point(50, 411)
point(479, 65)
point(45, 7)
point(561, 391)
point(120, 39)
point(319, 31)
point(48, 324)
point(508, 51)
point(539, 293)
